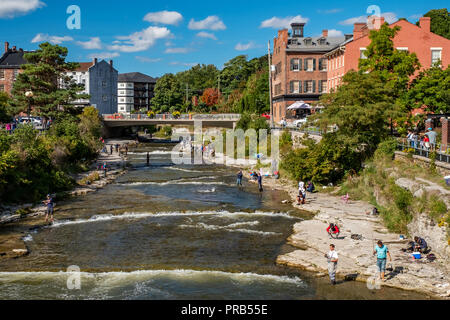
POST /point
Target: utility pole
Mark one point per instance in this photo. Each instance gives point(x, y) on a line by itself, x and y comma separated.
point(218, 85)
point(187, 96)
point(270, 86)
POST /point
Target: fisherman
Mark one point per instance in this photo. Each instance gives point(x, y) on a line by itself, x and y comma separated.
point(382, 252)
point(49, 212)
point(332, 258)
point(259, 178)
point(239, 178)
point(105, 168)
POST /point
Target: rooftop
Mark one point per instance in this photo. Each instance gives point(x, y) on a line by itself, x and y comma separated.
point(313, 44)
point(13, 59)
point(135, 77)
point(84, 66)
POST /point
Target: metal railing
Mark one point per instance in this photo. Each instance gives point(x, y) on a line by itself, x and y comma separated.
point(441, 155)
point(311, 130)
point(209, 117)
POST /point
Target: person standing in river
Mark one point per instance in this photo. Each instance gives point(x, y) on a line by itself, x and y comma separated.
point(332, 258)
point(239, 178)
point(49, 203)
point(111, 149)
point(259, 179)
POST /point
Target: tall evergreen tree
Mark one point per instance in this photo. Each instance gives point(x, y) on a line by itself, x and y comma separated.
point(45, 76)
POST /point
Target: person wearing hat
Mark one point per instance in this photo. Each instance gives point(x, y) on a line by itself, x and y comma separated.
point(49, 212)
point(432, 135)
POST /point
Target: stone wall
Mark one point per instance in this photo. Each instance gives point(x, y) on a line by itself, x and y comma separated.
point(441, 167)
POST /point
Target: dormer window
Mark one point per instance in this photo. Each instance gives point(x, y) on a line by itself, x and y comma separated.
point(308, 41)
point(322, 41)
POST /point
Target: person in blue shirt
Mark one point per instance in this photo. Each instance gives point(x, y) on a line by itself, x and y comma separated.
point(420, 244)
point(382, 253)
point(259, 178)
point(239, 178)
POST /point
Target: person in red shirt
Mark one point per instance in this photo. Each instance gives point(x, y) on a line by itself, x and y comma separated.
point(333, 230)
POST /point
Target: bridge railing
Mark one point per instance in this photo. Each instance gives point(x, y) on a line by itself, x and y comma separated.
point(216, 117)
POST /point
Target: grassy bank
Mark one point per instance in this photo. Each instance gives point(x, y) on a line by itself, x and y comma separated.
point(33, 163)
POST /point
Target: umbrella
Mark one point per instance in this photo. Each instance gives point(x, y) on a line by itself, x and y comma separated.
point(299, 105)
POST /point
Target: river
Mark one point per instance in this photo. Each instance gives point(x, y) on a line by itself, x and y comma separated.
point(171, 232)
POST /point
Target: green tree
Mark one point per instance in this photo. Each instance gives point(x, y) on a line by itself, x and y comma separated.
point(432, 89)
point(4, 101)
point(394, 66)
point(168, 94)
point(45, 75)
point(235, 73)
point(440, 22)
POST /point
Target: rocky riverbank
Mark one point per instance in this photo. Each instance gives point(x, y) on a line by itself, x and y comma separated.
point(356, 261)
point(16, 220)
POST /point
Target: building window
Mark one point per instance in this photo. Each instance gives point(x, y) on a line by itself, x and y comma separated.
point(310, 64)
point(296, 64)
point(16, 73)
point(2, 87)
point(295, 87)
point(323, 64)
point(322, 86)
point(277, 89)
point(362, 53)
point(310, 86)
point(105, 98)
point(122, 85)
point(2, 74)
point(436, 57)
point(308, 41)
point(402, 49)
point(322, 41)
point(104, 84)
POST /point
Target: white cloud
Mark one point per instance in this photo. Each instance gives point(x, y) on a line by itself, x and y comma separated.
point(186, 64)
point(245, 46)
point(93, 44)
point(208, 35)
point(335, 33)
point(104, 55)
point(177, 50)
point(415, 16)
point(141, 40)
point(390, 17)
point(12, 8)
point(278, 23)
point(148, 60)
point(41, 37)
point(164, 17)
point(210, 23)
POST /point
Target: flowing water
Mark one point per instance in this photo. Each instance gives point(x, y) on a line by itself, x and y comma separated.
point(171, 232)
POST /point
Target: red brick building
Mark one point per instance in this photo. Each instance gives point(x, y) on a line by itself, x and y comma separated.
point(300, 68)
point(428, 47)
point(10, 64)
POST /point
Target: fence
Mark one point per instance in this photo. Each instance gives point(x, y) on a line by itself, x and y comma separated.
point(214, 117)
point(441, 155)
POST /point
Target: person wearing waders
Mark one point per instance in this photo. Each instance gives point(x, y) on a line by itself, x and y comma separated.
point(332, 258)
point(260, 182)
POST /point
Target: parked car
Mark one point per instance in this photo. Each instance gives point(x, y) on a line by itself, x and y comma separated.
point(300, 122)
point(266, 115)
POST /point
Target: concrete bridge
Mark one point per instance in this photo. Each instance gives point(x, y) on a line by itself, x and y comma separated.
point(135, 120)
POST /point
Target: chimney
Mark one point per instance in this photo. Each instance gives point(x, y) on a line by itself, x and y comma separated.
point(94, 61)
point(14, 48)
point(6, 46)
point(325, 33)
point(425, 23)
point(358, 30)
point(111, 63)
point(297, 30)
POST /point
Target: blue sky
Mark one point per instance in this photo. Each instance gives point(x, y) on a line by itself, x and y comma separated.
point(156, 37)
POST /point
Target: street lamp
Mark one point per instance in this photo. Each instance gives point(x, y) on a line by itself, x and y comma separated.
point(29, 95)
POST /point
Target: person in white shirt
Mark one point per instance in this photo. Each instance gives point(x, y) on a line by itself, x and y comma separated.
point(332, 258)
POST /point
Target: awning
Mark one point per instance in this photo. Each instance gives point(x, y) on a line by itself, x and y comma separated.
point(299, 105)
